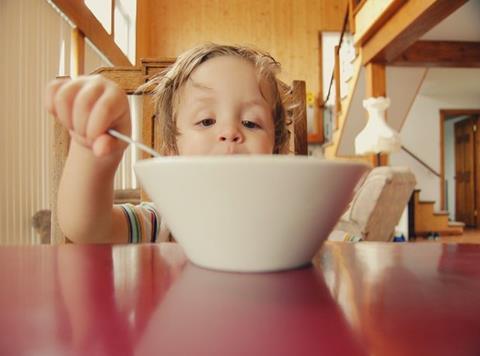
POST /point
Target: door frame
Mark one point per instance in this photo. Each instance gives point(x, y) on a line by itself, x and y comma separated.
point(445, 114)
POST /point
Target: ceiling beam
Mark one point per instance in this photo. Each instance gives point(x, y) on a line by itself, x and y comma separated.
point(405, 27)
point(440, 54)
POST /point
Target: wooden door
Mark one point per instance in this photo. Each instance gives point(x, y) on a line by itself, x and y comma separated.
point(476, 141)
point(465, 204)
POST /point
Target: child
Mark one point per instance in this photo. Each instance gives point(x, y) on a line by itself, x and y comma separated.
point(213, 100)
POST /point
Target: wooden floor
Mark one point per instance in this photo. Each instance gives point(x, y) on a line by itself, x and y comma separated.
point(471, 236)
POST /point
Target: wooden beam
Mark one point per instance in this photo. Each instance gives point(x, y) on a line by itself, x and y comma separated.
point(405, 27)
point(441, 54)
point(81, 16)
point(372, 16)
point(77, 53)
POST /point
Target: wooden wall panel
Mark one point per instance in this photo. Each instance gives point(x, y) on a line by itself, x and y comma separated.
point(288, 29)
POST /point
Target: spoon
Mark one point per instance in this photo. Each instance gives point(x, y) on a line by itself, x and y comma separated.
point(131, 141)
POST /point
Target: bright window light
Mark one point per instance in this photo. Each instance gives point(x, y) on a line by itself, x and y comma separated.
point(102, 10)
point(124, 27)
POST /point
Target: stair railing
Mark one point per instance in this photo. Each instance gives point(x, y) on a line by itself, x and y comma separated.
point(335, 79)
point(419, 160)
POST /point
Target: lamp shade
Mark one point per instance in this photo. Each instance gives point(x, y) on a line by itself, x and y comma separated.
point(377, 136)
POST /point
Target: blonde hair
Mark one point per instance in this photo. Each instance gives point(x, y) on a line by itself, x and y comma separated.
point(166, 86)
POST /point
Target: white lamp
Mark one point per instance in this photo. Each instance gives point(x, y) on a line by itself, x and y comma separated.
point(377, 136)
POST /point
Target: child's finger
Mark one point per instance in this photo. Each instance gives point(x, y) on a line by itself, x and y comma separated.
point(50, 93)
point(79, 139)
point(83, 104)
point(106, 144)
point(64, 99)
point(113, 104)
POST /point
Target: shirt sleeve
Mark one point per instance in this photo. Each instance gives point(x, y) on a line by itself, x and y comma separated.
point(144, 223)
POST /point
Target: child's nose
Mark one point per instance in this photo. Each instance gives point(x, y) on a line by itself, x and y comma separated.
point(231, 134)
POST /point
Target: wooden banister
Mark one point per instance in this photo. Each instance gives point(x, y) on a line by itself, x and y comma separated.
point(421, 162)
point(336, 75)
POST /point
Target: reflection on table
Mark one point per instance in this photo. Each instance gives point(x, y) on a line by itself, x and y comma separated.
point(355, 299)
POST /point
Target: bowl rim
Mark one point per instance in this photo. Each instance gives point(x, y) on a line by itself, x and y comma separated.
point(251, 159)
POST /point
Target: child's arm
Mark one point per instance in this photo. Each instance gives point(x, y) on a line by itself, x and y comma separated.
point(88, 107)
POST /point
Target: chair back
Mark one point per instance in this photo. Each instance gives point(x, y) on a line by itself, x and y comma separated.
point(378, 204)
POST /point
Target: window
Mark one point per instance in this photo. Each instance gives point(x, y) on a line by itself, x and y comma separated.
point(124, 26)
point(121, 26)
point(102, 11)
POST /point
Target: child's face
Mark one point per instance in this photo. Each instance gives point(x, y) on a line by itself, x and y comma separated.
point(221, 110)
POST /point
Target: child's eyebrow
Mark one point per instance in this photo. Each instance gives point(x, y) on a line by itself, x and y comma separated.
point(254, 102)
point(200, 85)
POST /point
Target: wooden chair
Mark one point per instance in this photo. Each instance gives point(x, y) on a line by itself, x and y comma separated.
point(129, 79)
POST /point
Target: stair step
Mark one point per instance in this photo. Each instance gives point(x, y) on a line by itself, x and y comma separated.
point(456, 224)
point(426, 202)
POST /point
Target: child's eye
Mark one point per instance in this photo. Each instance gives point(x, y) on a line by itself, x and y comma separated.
point(250, 124)
point(206, 122)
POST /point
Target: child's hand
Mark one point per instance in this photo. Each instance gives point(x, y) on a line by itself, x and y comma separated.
point(88, 106)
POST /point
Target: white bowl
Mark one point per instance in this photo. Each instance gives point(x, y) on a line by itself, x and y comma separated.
point(250, 213)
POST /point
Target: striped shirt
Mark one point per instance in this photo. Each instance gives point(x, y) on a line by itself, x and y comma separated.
point(144, 223)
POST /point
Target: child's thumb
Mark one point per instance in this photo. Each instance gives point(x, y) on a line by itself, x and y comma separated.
point(105, 145)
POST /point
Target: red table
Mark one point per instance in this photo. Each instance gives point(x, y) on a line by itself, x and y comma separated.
point(356, 299)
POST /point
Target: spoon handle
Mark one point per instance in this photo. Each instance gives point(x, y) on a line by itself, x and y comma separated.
point(129, 140)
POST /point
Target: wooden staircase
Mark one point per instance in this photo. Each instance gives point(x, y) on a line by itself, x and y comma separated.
point(427, 221)
point(330, 150)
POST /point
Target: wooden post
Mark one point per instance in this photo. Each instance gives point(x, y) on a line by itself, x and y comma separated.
point(77, 55)
point(338, 94)
point(375, 80)
point(376, 86)
point(351, 16)
point(317, 136)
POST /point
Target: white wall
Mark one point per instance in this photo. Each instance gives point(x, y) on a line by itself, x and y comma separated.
point(421, 131)
point(402, 86)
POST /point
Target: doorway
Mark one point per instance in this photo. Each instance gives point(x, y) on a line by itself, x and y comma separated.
point(460, 165)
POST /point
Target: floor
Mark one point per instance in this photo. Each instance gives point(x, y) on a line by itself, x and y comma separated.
point(471, 236)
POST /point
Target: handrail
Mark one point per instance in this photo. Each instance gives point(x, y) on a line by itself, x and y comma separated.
point(421, 162)
point(338, 94)
point(337, 50)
